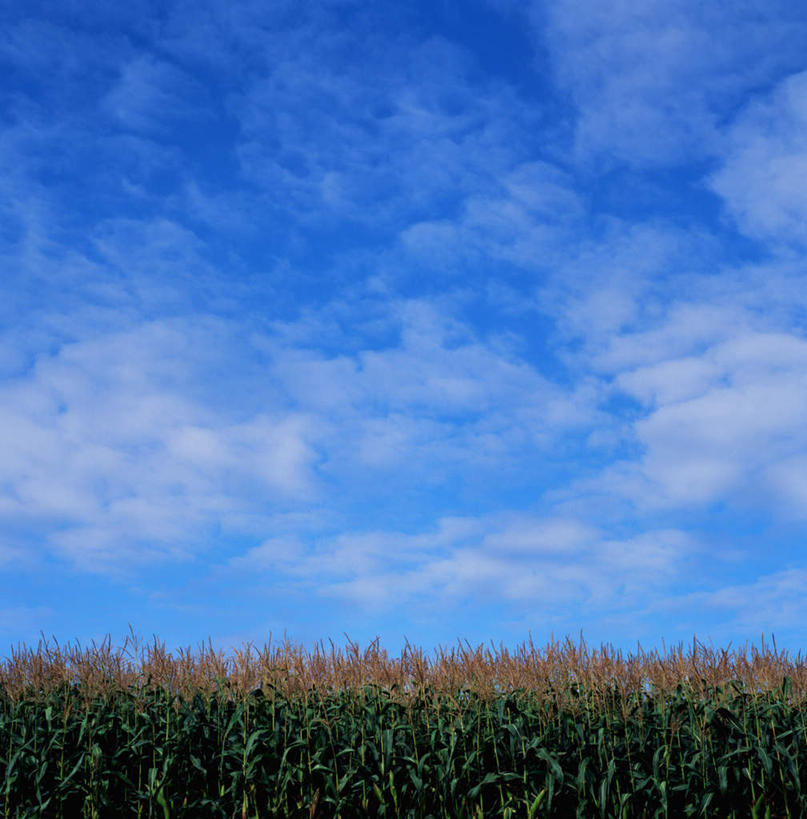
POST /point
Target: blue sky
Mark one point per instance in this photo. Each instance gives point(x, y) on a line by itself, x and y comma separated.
point(415, 320)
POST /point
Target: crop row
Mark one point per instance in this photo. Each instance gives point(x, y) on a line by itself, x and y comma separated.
point(150, 751)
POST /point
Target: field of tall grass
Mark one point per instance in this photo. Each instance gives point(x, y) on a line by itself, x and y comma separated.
point(561, 730)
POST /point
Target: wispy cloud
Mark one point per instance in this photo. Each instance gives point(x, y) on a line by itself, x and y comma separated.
point(711, 446)
point(529, 562)
point(107, 450)
point(763, 177)
point(121, 440)
point(654, 82)
point(151, 93)
point(772, 604)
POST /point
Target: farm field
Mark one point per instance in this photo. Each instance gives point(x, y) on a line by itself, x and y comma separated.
point(562, 730)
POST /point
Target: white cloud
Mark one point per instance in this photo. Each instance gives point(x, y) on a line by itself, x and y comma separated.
point(271, 553)
point(155, 261)
point(151, 93)
point(763, 178)
point(376, 145)
point(713, 359)
point(622, 280)
point(527, 537)
point(653, 554)
point(670, 381)
point(653, 80)
point(150, 435)
point(104, 441)
point(788, 480)
point(529, 217)
point(439, 398)
point(528, 561)
point(733, 416)
point(688, 327)
point(771, 604)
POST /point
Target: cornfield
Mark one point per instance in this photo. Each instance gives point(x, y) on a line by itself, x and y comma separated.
point(468, 732)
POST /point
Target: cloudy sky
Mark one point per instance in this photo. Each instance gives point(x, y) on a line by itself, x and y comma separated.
point(427, 320)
